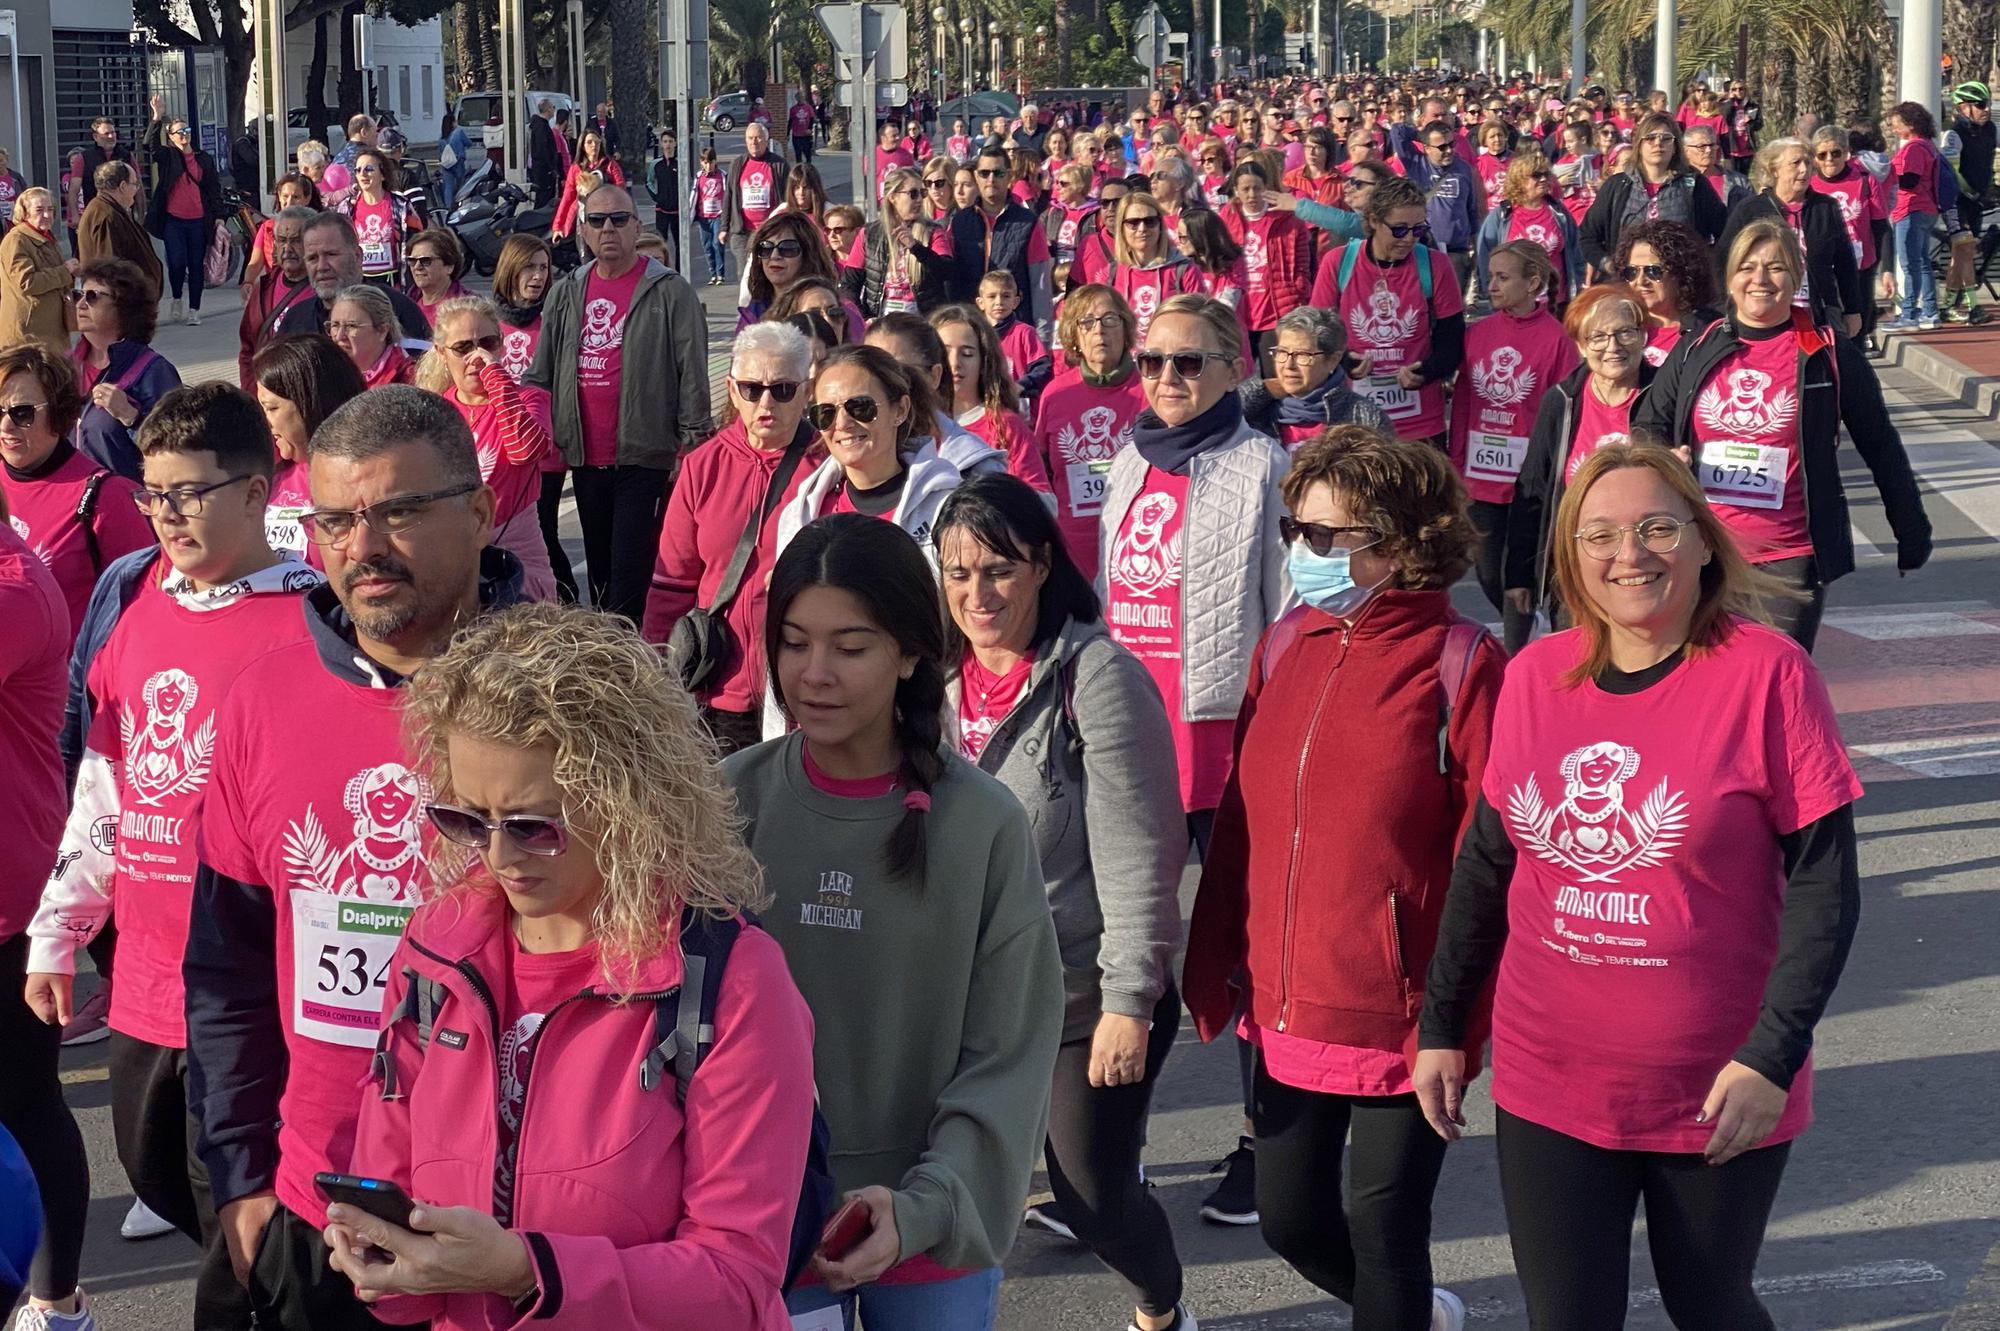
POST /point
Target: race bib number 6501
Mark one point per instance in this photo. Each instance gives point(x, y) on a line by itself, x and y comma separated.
point(341, 949)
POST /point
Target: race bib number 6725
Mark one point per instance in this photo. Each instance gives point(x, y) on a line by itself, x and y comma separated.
point(1743, 474)
point(341, 949)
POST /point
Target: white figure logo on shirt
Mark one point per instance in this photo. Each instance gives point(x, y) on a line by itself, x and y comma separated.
point(1591, 832)
point(1547, 237)
point(602, 328)
point(386, 804)
point(1145, 561)
point(1382, 322)
point(514, 1069)
point(374, 229)
point(514, 354)
point(1501, 380)
point(1145, 300)
point(1090, 439)
point(1850, 207)
point(1748, 408)
point(20, 529)
point(161, 760)
point(1254, 256)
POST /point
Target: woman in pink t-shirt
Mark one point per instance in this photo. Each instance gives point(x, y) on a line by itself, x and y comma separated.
point(1915, 169)
point(984, 397)
point(1859, 196)
point(1668, 916)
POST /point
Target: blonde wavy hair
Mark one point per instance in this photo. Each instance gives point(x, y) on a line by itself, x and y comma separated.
point(433, 373)
point(636, 767)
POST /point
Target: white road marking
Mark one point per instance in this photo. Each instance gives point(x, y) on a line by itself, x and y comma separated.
point(1879, 624)
point(1940, 756)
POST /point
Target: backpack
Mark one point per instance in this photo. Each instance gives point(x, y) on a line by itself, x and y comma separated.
point(1350, 255)
point(1462, 637)
point(684, 1026)
point(1948, 184)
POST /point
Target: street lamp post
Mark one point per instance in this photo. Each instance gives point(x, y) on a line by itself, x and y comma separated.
point(938, 80)
point(993, 53)
point(965, 26)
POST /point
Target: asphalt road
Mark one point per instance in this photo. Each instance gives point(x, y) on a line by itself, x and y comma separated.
point(1889, 1206)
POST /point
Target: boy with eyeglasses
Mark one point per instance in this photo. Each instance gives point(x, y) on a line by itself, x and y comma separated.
point(167, 632)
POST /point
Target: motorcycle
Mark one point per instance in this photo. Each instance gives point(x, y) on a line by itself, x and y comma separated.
point(483, 225)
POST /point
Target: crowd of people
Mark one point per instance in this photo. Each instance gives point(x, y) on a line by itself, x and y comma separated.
point(809, 861)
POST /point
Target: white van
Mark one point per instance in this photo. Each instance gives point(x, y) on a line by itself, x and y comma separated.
point(481, 111)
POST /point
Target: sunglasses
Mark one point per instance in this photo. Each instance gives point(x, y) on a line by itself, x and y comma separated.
point(599, 221)
point(424, 260)
point(1188, 365)
point(22, 414)
point(1834, 155)
point(531, 835)
point(90, 296)
point(1320, 538)
point(780, 391)
point(860, 410)
point(989, 175)
point(937, 182)
point(1421, 230)
point(1658, 137)
point(1652, 272)
point(1139, 223)
point(491, 344)
point(783, 249)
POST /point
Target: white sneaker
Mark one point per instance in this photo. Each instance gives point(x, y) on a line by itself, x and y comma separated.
point(1183, 1321)
point(1447, 1311)
point(176, 312)
point(143, 1222)
point(32, 1318)
point(194, 319)
point(1927, 325)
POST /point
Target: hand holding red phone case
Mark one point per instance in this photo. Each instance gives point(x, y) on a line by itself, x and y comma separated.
point(848, 1226)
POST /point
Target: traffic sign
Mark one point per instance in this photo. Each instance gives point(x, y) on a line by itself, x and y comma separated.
point(1149, 39)
point(884, 36)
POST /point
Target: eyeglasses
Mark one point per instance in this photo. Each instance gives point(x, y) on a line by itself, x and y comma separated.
point(1421, 230)
point(780, 391)
point(21, 414)
point(335, 330)
point(783, 249)
point(1279, 356)
point(860, 410)
point(1691, 145)
point(1091, 321)
point(1658, 136)
point(1831, 155)
point(183, 503)
point(387, 517)
point(424, 260)
point(491, 344)
point(1661, 535)
point(530, 834)
point(1440, 147)
point(89, 296)
point(937, 182)
point(1628, 336)
point(1189, 365)
point(1322, 539)
point(1652, 272)
point(989, 175)
point(180, 133)
point(1139, 223)
point(599, 221)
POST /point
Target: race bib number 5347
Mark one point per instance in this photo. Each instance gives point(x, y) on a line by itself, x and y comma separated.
point(341, 948)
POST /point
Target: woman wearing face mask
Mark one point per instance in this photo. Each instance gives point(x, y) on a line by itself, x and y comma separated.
point(1402, 301)
point(1782, 175)
point(1513, 359)
point(1043, 699)
point(1759, 399)
point(1859, 197)
point(1651, 1035)
point(1347, 691)
point(1084, 418)
point(1277, 255)
point(864, 814)
point(301, 380)
point(1660, 185)
point(1670, 269)
point(1307, 391)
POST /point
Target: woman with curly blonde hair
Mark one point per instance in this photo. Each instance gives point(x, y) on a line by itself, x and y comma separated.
point(591, 853)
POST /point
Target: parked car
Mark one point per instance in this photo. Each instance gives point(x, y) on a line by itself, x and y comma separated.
point(729, 111)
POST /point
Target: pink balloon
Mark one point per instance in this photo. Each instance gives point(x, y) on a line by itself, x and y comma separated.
point(336, 179)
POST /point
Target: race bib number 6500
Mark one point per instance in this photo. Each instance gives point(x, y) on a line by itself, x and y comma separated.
point(341, 949)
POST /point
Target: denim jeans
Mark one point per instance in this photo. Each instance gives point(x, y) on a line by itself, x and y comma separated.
point(712, 246)
point(969, 1303)
point(1913, 248)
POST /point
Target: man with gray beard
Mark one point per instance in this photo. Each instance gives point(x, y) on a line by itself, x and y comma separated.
point(333, 261)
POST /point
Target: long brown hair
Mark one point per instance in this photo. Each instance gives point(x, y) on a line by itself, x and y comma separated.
point(815, 259)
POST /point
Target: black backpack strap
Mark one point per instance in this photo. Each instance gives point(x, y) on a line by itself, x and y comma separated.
point(86, 509)
point(422, 999)
point(684, 1019)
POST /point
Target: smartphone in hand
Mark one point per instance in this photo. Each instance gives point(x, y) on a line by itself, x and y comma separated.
point(381, 1198)
point(852, 1223)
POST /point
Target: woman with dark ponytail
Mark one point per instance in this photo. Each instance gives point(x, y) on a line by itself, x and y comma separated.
point(907, 894)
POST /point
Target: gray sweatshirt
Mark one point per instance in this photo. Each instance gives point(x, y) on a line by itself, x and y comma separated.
point(1096, 772)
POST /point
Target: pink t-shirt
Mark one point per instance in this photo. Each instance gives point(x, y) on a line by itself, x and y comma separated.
point(711, 193)
point(1146, 289)
point(1079, 429)
point(1510, 364)
point(516, 485)
point(517, 349)
point(1661, 339)
point(156, 686)
point(1260, 306)
point(338, 841)
point(1746, 448)
point(291, 495)
point(1492, 170)
point(1539, 225)
point(375, 224)
point(34, 673)
point(535, 985)
point(756, 191)
point(600, 359)
point(1008, 432)
point(1597, 424)
point(984, 699)
point(799, 120)
point(1022, 346)
point(43, 513)
point(1389, 322)
point(1069, 221)
point(1330, 1069)
point(1644, 909)
point(1918, 156)
point(1143, 573)
point(1860, 202)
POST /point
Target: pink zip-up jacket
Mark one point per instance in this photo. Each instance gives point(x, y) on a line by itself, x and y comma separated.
point(635, 1212)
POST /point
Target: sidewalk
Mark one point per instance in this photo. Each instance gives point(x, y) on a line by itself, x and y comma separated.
point(1960, 361)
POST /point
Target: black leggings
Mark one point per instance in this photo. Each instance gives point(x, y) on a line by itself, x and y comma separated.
point(1491, 520)
point(1569, 1214)
point(1797, 617)
point(621, 509)
point(1099, 1131)
point(548, 508)
point(32, 1108)
point(1374, 1254)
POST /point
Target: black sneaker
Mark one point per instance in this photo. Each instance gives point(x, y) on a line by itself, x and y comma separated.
point(1048, 1217)
point(1234, 1201)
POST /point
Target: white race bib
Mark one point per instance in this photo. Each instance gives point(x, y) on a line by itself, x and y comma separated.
point(283, 529)
point(1743, 474)
point(1086, 487)
point(341, 947)
point(1397, 402)
point(376, 256)
point(1494, 457)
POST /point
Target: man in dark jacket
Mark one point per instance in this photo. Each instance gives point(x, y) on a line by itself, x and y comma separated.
point(108, 230)
point(333, 261)
point(1001, 234)
point(544, 166)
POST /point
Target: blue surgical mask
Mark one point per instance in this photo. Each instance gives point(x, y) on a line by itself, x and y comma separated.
point(1327, 581)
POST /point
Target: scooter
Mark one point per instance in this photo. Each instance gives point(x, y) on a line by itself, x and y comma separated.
point(484, 224)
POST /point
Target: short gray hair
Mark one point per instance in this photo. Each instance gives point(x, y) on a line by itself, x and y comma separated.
point(375, 303)
point(1833, 134)
point(1177, 168)
point(1325, 330)
point(397, 416)
point(1764, 167)
point(298, 212)
point(781, 342)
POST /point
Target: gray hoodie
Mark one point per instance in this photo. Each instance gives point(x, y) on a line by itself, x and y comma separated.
point(1096, 772)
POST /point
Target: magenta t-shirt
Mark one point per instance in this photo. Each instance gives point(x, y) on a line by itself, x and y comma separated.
point(1597, 424)
point(517, 347)
point(1510, 364)
point(1745, 431)
point(1143, 576)
point(1860, 203)
point(1915, 155)
point(34, 673)
point(600, 358)
point(1079, 430)
point(375, 225)
point(799, 120)
point(1661, 339)
point(756, 191)
point(1539, 225)
point(710, 193)
point(984, 699)
point(534, 986)
point(1260, 306)
point(156, 686)
point(43, 513)
point(1389, 322)
point(1644, 909)
point(338, 841)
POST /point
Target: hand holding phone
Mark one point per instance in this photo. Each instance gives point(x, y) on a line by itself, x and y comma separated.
point(381, 1198)
point(847, 1227)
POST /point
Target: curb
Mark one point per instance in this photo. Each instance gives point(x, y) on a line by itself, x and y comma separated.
point(1979, 1310)
point(1968, 388)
